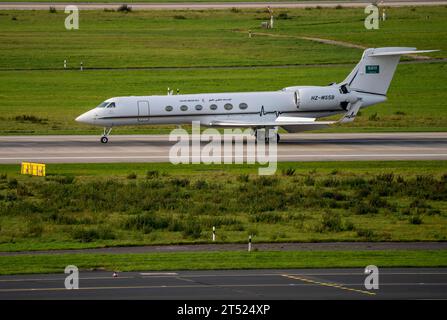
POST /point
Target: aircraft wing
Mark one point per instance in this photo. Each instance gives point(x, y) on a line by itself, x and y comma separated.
point(291, 124)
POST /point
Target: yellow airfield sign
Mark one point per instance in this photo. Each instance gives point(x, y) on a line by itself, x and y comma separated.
point(34, 169)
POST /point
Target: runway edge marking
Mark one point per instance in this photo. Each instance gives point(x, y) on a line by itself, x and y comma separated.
point(328, 284)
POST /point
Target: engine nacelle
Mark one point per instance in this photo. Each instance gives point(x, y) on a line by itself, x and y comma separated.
point(331, 98)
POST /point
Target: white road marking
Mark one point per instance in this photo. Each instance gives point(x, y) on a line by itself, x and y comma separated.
point(279, 156)
point(158, 273)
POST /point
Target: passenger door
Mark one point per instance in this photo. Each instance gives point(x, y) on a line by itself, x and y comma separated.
point(143, 111)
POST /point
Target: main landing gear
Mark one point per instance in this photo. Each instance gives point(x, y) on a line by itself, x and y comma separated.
point(266, 135)
point(104, 138)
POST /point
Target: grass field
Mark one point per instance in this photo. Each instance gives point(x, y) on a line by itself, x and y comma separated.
point(221, 260)
point(53, 97)
point(46, 101)
point(79, 206)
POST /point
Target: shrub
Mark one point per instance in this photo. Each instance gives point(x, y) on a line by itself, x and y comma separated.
point(3, 176)
point(387, 178)
point(91, 234)
point(152, 174)
point(180, 182)
point(354, 183)
point(377, 202)
point(349, 226)
point(243, 178)
point(363, 192)
point(200, 184)
point(235, 10)
point(338, 7)
point(419, 203)
point(30, 118)
point(60, 179)
point(12, 183)
point(364, 208)
point(267, 217)
point(60, 218)
point(34, 229)
point(124, 8)
point(374, 117)
point(330, 222)
point(400, 113)
point(192, 230)
point(179, 17)
point(309, 181)
point(368, 234)
point(415, 219)
point(283, 16)
point(23, 191)
point(52, 9)
point(266, 181)
point(333, 195)
point(85, 235)
point(132, 175)
point(331, 182)
point(146, 223)
point(288, 172)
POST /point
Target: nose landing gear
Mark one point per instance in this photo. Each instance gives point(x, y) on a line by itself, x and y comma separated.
point(266, 135)
point(104, 138)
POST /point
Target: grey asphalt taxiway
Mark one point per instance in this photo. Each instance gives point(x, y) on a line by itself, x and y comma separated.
point(293, 147)
point(396, 283)
point(23, 5)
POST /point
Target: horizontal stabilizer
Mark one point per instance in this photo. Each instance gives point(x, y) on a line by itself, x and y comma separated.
point(399, 53)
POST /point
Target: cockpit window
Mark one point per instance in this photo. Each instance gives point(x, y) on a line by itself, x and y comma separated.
point(111, 105)
point(102, 105)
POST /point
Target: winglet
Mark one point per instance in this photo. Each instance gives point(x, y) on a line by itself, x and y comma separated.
point(352, 112)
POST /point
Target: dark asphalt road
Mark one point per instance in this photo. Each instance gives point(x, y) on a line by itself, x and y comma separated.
point(293, 147)
point(396, 283)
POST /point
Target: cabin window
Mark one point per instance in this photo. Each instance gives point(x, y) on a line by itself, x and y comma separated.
point(228, 106)
point(102, 105)
point(243, 106)
point(213, 107)
point(199, 107)
point(112, 105)
point(184, 108)
point(169, 108)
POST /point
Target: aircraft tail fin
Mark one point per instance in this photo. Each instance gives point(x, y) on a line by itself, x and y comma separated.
point(375, 70)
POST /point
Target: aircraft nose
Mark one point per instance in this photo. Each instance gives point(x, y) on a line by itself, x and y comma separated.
point(85, 118)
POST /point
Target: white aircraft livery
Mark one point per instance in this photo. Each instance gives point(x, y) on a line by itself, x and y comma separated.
point(293, 108)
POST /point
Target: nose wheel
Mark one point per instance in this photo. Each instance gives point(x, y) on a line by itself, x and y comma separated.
point(266, 135)
point(104, 138)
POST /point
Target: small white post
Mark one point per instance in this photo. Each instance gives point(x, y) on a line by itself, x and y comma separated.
point(82, 66)
point(214, 234)
point(65, 64)
point(249, 243)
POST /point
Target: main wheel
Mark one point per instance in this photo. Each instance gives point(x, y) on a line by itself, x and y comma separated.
point(104, 139)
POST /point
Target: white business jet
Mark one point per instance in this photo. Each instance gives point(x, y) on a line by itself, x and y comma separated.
point(293, 108)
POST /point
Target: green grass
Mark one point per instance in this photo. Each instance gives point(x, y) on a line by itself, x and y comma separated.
point(222, 260)
point(57, 97)
point(38, 39)
point(47, 101)
point(97, 205)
